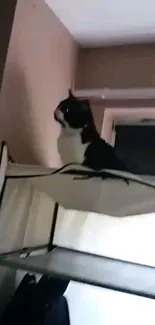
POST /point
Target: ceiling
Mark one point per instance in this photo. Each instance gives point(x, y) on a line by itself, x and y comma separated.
point(107, 22)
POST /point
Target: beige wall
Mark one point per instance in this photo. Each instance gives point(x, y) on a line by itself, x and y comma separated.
point(98, 114)
point(116, 67)
point(38, 72)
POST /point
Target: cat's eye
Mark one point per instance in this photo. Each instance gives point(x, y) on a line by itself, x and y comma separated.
point(67, 110)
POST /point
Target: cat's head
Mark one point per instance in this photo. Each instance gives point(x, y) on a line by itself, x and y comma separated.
point(73, 113)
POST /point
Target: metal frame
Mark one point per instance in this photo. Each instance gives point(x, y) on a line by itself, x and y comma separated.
point(90, 269)
point(51, 246)
point(28, 250)
point(83, 267)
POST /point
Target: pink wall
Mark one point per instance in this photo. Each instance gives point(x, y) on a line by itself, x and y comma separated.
point(98, 114)
point(116, 67)
point(39, 70)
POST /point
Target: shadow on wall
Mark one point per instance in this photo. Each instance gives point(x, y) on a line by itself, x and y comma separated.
point(16, 120)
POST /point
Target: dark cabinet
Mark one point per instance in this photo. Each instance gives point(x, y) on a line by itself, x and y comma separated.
point(135, 144)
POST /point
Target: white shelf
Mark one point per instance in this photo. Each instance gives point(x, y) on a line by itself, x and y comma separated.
point(116, 94)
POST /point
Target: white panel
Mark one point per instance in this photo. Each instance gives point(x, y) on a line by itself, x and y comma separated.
point(109, 196)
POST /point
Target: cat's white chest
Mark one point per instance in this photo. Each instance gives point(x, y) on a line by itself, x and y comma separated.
point(71, 148)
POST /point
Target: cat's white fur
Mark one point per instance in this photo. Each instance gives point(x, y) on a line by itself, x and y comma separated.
point(70, 147)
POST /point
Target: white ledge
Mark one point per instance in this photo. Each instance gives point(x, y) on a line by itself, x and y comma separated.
point(116, 94)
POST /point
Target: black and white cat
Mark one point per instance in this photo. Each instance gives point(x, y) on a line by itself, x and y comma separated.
point(79, 141)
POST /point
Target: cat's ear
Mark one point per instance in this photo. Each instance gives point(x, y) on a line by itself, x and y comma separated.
point(71, 94)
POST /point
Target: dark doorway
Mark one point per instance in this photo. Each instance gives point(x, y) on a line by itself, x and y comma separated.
point(135, 144)
point(7, 12)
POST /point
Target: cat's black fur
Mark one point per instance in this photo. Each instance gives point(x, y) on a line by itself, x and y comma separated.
point(76, 115)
